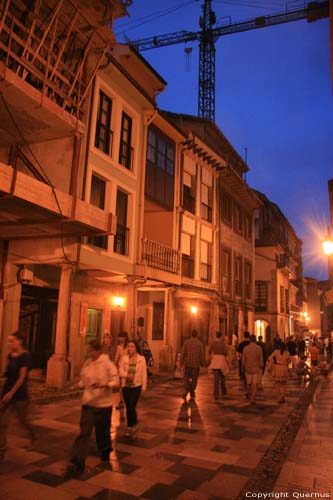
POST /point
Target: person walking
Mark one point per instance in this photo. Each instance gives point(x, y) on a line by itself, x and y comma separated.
point(292, 349)
point(240, 349)
point(301, 346)
point(278, 366)
point(219, 364)
point(98, 377)
point(133, 373)
point(14, 395)
point(253, 362)
point(192, 357)
point(108, 346)
point(121, 351)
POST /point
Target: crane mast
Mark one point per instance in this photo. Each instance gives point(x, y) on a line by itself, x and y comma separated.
point(208, 35)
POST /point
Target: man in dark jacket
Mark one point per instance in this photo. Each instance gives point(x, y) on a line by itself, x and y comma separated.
point(240, 349)
point(192, 357)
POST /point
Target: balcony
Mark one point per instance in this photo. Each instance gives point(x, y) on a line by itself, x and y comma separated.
point(160, 257)
point(32, 209)
point(44, 76)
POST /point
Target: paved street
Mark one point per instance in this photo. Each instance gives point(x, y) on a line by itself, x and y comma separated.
point(202, 450)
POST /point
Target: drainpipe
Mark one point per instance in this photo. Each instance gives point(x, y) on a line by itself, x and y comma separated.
point(142, 188)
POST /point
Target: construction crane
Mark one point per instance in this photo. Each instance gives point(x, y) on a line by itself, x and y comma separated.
point(208, 35)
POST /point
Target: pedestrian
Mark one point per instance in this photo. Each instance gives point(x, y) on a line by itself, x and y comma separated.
point(278, 366)
point(240, 349)
point(108, 346)
point(253, 361)
point(314, 354)
point(276, 342)
point(263, 346)
point(14, 395)
point(192, 357)
point(302, 369)
point(99, 376)
point(301, 348)
point(292, 349)
point(329, 350)
point(133, 373)
point(219, 364)
point(121, 351)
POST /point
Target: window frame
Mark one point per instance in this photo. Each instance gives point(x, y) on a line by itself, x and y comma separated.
point(126, 150)
point(100, 125)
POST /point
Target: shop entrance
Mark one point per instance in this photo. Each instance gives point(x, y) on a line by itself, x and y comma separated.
point(37, 321)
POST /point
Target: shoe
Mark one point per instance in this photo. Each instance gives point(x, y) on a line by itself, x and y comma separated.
point(105, 455)
point(74, 470)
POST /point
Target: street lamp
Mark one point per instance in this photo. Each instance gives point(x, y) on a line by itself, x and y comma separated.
point(118, 301)
point(194, 310)
point(327, 246)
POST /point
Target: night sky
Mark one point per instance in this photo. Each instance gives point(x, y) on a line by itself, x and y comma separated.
point(273, 99)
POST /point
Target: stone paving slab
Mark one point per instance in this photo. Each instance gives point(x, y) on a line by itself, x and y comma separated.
point(203, 450)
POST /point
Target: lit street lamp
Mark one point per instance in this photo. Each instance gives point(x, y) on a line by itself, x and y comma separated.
point(327, 244)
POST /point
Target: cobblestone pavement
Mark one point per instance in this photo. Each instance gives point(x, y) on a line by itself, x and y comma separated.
point(202, 450)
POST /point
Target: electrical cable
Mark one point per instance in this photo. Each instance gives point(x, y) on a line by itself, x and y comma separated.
point(152, 17)
point(48, 181)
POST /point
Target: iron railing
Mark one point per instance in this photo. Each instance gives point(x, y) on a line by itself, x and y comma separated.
point(160, 256)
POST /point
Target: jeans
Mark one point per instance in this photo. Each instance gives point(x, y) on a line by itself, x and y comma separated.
point(131, 397)
point(219, 381)
point(22, 411)
point(91, 417)
point(191, 379)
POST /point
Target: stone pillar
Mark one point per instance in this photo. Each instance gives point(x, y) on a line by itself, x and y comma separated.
point(11, 310)
point(57, 365)
point(250, 316)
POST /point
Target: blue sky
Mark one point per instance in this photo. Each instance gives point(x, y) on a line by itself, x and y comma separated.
point(273, 97)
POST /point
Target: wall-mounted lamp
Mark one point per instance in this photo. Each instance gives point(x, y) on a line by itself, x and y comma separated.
point(194, 310)
point(118, 301)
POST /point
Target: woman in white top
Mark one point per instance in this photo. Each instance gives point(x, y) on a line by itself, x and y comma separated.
point(121, 351)
point(133, 374)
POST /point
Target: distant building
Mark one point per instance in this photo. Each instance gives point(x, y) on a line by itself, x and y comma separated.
point(313, 306)
point(279, 290)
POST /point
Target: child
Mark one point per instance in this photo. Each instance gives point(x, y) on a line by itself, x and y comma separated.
point(302, 369)
point(323, 367)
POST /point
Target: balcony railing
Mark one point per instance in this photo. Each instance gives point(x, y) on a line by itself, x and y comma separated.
point(160, 257)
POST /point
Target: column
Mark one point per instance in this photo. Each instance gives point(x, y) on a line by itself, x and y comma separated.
point(57, 365)
point(10, 309)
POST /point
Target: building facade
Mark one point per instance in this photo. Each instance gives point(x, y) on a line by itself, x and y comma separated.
point(280, 305)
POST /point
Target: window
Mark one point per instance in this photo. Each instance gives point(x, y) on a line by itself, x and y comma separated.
point(93, 324)
point(158, 321)
point(206, 202)
point(287, 302)
point(104, 134)
point(248, 280)
point(238, 276)
point(205, 261)
point(160, 168)
point(189, 192)
point(226, 270)
point(282, 299)
point(187, 246)
point(97, 198)
point(238, 220)
point(226, 208)
point(247, 227)
point(122, 235)
point(126, 150)
point(261, 296)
